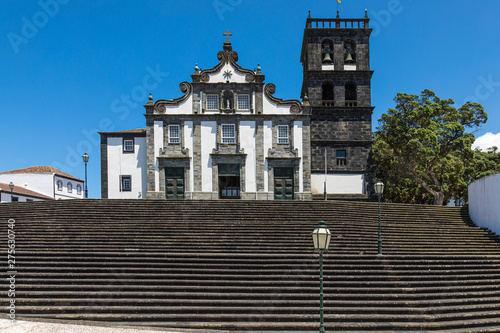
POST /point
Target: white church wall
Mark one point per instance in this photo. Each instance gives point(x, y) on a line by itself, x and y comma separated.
point(188, 143)
point(484, 202)
point(247, 142)
point(42, 183)
point(268, 144)
point(127, 164)
point(183, 108)
point(338, 184)
point(235, 77)
point(298, 144)
point(271, 108)
point(208, 143)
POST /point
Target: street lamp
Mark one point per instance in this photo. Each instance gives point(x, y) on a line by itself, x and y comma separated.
point(85, 160)
point(11, 185)
point(321, 239)
point(379, 189)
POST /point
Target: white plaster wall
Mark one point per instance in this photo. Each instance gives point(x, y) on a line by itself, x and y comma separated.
point(298, 144)
point(268, 144)
point(185, 107)
point(272, 108)
point(158, 143)
point(5, 197)
point(235, 77)
point(247, 142)
point(64, 194)
point(39, 182)
point(208, 143)
point(484, 202)
point(338, 184)
point(188, 143)
point(133, 164)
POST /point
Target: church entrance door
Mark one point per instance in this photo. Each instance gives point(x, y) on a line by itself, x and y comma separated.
point(229, 181)
point(283, 183)
point(174, 178)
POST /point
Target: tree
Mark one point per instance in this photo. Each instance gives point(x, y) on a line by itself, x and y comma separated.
point(422, 150)
point(486, 163)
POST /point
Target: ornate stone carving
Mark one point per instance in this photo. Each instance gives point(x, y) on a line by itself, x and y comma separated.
point(160, 105)
point(295, 105)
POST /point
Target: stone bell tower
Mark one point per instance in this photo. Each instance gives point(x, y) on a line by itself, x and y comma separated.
point(336, 64)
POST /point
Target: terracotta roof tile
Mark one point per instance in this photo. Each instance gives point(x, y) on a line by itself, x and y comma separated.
point(43, 169)
point(23, 191)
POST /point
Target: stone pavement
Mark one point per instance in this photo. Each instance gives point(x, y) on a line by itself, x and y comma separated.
point(22, 326)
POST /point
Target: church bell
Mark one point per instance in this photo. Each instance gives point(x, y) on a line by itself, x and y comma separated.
point(327, 57)
point(349, 58)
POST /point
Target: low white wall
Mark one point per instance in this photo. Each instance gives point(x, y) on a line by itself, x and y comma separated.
point(338, 184)
point(484, 202)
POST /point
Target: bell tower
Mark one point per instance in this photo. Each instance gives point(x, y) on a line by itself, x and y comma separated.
point(336, 66)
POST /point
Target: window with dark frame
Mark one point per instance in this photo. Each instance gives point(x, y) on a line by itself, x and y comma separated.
point(128, 145)
point(174, 134)
point(59, 185)
point(126, 183)
point(78, 189)
point(70, 187)
point(283, 134)
point(228, 133)
point(341, 157)
point(243, 102)
point(212, 102)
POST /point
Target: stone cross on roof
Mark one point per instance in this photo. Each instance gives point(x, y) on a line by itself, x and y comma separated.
point(227, 34)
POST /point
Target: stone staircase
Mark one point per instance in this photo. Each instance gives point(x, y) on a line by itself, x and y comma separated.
point(250, 265)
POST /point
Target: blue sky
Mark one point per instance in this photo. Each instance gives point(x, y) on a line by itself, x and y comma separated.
point(70, 68)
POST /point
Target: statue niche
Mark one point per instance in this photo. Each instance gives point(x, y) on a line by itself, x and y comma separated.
point(227, 100)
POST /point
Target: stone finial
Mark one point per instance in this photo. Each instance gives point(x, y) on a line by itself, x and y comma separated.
point(366, 13)
point(150, 103)
point(196, 68)
point(258, 68)
point(338, 14)
point(309, 15)
point(150, 97)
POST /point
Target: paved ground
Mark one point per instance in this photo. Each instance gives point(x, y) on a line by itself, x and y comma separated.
point(21, 326)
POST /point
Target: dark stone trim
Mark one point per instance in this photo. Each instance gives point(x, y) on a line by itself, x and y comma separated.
point(104, 166)
point(185, 87)
point(295, 104)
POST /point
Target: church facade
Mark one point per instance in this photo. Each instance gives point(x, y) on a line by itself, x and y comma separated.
point(229, 137)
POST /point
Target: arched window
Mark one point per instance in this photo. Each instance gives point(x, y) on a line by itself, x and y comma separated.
point(59, 185)
point(70, 187)
point(79, 189)
point(349, 52)
point(327, 52)
point(351, 95)
point(327, 94)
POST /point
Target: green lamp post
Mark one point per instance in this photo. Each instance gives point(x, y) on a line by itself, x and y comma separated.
point(321, 239)
point(85, 160)
point(11, 185)
point(379, 189)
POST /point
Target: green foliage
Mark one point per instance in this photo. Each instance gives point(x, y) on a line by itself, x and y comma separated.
point(485, 163)
point(422, 150)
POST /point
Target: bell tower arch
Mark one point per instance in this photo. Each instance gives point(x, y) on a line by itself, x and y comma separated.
point(336, 64)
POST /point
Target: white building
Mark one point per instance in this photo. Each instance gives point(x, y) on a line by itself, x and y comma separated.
point(45, 180)
point(123, 164)
point(20, 194)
